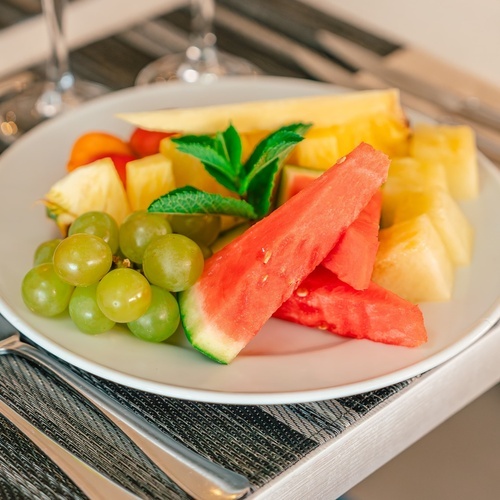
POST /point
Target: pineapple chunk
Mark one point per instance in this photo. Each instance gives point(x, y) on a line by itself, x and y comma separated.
point(319, 150)
point(96, 186)
point(407, 174)
point(188, 170)
point(455, 147)
point(413, 262)
point(148, 178)
point(447, 217)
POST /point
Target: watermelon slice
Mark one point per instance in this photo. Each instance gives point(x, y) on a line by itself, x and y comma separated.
point(293, 180)
point(353, 257)
point(243, 284)
point(323, 301)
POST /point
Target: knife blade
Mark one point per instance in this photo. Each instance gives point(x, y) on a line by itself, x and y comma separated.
point(470, 107)
point(88, 479)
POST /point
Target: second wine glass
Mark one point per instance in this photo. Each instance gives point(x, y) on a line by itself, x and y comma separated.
point(58, 92)
point(202, 62)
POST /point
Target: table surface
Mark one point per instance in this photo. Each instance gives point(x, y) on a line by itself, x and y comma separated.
point(462, 33)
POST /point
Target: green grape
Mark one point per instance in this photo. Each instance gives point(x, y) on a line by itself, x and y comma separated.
point(44, 292)
point(138, 230)
point(160, 321)
point(123, 295)
point(45, 251)
point(98, 223)
point(202, 229)
point(85, 312)
point(173, 262)
point(82, 259)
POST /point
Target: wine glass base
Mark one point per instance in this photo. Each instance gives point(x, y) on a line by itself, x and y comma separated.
point(179, 67)
point(40, 102)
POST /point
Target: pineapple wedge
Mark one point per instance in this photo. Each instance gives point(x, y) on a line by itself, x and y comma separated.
point(447, 217)
point(148, 178)
point(413, 262)
point(406, 175)
point(322, 111)
point(96, 186)
point(455, 147)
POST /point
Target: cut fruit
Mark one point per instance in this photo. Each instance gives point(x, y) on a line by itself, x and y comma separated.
point(323, 301)
point(319, 150)
point(447, 217)
point(94, 187)
point(455, 147)
point(147, 179)
point(353, 257)
point(188, 170)
point(228, 236)
point(407, 175)
point(293, 180)
point(321, 111)
point(93, 145)
point(413, 262)
point(243, 284)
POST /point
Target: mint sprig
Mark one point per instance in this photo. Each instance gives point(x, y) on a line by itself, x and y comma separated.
point(189, 200)
point(255, 179)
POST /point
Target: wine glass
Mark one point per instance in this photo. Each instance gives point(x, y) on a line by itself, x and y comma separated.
point(60, 91)
point(201, 62)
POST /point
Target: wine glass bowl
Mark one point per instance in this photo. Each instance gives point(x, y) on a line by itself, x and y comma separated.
point(201, 62)
point(60, 91)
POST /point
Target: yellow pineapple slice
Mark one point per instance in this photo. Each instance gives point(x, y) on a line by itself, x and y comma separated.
point(322, 111)
point(413, 262)
point(447, 217)
point(455, 147)
point(409, 174)
point(188, 170)
point(148, 178)
point(319, 150)
point(96, 186)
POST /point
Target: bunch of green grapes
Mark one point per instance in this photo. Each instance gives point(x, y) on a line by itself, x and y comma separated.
point(104, 274)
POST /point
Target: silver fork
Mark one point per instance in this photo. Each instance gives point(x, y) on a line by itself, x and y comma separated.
point(197, 476)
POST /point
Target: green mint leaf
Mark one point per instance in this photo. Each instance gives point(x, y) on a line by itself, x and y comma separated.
point(189, 200)
point(261, 189)
point(230, 146)
point(207, 150)
point(276, 146)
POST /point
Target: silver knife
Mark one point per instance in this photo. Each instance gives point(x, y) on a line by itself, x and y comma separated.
point(469, 107)
point(88, 479)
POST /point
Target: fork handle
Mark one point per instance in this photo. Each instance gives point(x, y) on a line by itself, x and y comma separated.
point(197, 476)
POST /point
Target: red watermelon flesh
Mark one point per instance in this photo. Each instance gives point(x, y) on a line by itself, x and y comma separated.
point(353, 257)
point(323, 301)
point(243, 284)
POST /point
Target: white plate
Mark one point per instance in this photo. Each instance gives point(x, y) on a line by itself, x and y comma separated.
point(285, 363)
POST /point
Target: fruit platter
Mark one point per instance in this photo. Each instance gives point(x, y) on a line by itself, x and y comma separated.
point(371, 258)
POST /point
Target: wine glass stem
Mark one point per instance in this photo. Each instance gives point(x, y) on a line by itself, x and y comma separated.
point(58, 72)
point(202, 48)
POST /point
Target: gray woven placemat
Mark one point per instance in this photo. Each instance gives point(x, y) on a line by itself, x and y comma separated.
point(260, 442)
